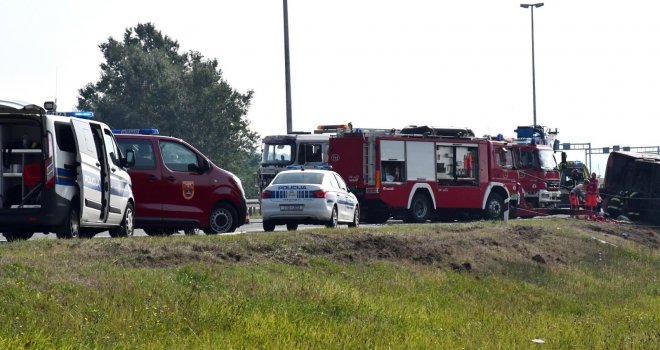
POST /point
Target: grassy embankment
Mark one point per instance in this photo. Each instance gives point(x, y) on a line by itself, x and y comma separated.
point(474, 285)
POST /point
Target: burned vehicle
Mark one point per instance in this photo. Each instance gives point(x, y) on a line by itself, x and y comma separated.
point(632, 186)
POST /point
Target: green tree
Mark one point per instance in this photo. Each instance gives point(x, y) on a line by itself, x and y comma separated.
point(147, 83)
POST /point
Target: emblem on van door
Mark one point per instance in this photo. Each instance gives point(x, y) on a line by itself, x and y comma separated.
point(188, 189)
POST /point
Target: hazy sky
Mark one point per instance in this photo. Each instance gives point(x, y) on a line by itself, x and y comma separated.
point(375, 63)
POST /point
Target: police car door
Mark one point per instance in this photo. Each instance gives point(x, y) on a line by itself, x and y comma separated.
point(348, 203)
point(341, 197)
point(89, 173)
point(119, 186)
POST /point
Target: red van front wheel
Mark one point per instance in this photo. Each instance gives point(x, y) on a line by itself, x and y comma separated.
point(223, 219)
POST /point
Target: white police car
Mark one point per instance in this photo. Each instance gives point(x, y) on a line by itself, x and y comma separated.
point(308, 197)
point(62, 173)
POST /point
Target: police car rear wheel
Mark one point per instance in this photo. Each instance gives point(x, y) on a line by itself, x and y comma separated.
point(356, 218)
point(268, 226)
point(334, 219)
point(291, 227)
point(223, 219)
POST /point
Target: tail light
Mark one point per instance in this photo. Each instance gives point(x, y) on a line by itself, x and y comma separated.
point(49, 164)
point(266, 194)
point(319, 194)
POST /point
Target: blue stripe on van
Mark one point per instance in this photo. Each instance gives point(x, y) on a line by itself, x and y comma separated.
point(67, 177)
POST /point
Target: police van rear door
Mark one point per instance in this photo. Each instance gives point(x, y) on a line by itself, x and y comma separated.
point(89, 180)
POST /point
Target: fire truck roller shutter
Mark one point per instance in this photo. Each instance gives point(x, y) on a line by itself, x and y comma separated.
point(420, 160)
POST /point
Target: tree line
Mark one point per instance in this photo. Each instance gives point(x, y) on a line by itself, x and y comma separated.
point(146, 82)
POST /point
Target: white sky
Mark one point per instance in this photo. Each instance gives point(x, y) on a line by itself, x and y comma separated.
point(376, 63)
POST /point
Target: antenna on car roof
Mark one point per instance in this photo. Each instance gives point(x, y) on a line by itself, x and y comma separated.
point(55, 85)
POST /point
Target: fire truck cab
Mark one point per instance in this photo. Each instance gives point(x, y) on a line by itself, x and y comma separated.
point(418, 174)
point(536, 166)
point(300, 150)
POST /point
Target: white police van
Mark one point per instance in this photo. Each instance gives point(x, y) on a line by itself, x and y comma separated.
point(62, 173)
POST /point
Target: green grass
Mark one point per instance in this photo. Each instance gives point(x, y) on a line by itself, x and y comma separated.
point(75, 294)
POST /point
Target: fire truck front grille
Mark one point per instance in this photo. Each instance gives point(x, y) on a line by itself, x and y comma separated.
point(552, 185)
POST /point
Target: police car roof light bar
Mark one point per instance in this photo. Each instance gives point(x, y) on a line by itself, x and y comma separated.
point(82, 115)
point(151, 131)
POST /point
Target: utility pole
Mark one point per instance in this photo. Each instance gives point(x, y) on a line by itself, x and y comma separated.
point(287, 70)
point(532, 6)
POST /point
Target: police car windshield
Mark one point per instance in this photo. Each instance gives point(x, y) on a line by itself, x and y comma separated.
point(547, 160)
point(298, 178)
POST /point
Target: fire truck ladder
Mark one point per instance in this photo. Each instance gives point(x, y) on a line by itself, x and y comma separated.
point(369, 163)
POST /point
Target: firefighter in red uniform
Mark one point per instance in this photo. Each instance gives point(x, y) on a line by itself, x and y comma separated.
point(467, 160)
point(577, 195)
point(592, 193)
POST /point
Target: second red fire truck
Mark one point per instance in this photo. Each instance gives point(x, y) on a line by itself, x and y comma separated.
point(422, 173)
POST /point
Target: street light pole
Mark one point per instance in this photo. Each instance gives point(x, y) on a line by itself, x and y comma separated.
point(532, 6)
point(287, 71)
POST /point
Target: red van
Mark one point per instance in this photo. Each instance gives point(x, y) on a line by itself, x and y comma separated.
point(177, 188)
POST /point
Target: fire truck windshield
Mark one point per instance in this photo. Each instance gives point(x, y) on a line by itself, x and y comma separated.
point(279, 154)
point(547, 160)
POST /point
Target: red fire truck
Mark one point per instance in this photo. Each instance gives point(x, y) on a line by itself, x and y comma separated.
point(425, 173)
point(538, 175)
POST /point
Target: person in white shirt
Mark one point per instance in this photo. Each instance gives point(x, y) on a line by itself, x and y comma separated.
point(580, 190)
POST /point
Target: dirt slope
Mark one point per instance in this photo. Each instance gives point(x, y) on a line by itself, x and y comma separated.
point(479, 247)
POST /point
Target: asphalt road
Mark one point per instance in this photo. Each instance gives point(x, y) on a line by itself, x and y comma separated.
point(253, 227)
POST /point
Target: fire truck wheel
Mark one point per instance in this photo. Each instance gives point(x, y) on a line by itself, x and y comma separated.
point(334, 219)
point(420, 209)
point(356, 218)
point(269, 226)
point(291, 227)
point(494, 207)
